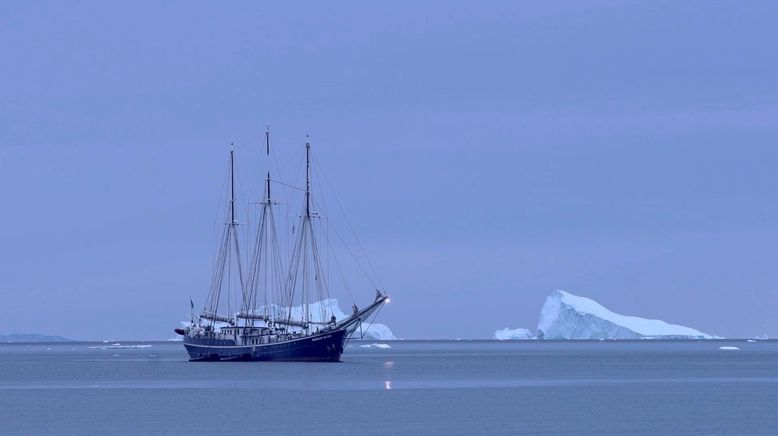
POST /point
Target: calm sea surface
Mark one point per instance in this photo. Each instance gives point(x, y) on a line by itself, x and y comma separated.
point(415, 387)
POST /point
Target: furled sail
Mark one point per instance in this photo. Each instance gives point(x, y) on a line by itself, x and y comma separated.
point(248, 315)
point(291, 322)
point(216, 317)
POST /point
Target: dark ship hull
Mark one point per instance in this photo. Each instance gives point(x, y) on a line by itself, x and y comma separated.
point(322, 347)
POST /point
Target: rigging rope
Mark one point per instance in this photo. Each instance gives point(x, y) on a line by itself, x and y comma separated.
point(318, 170)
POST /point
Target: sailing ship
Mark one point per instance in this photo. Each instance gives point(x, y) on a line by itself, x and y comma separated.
point(268, 325)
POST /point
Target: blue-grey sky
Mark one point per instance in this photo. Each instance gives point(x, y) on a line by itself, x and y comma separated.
point(488, 153)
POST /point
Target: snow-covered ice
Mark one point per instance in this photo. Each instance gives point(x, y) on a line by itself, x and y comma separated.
point(508, 334)
point(321, 310)
point(375, 332)
point(568, 316)
point(727, 348)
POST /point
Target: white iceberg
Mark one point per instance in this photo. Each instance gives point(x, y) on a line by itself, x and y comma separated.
point(726, 348)
point(568, 316)
point(510, 334)
point(321, 311)
point(373, 332)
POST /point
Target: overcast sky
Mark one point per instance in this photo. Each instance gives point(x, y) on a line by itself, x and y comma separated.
point(487, 153)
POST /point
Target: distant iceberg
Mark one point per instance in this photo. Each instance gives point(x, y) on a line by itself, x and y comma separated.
point(509, 334)
point(568, 316)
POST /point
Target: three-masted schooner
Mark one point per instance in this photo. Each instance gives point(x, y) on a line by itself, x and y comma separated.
point(268, 326)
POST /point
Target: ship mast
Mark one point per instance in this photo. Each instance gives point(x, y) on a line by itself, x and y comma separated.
point(265, 279)
point(306, 224)
point(232, 188)
point(305, 266)
point(234, 224)
point(229, 253)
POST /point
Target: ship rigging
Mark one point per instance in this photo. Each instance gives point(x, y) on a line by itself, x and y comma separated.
point(268, 324)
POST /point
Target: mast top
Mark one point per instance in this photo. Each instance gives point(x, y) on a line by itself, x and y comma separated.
point(307, 177)
point(267, 140)
point(232, 186)
point(267, 188)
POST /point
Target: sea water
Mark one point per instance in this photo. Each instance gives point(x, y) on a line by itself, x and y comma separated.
point(410, 387)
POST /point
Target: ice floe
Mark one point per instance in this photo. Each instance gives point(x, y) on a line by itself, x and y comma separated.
point(382, 346)
point(118, 346)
